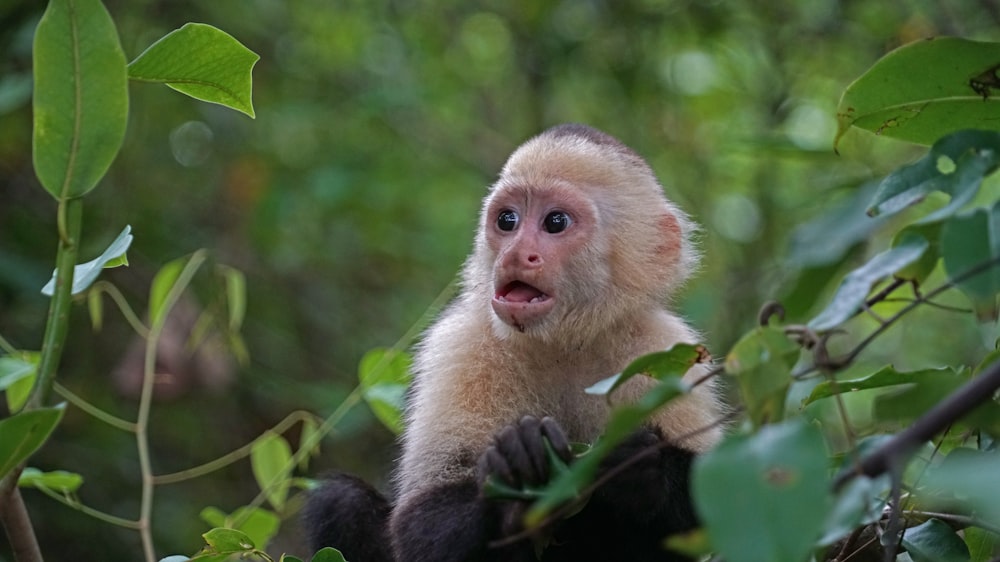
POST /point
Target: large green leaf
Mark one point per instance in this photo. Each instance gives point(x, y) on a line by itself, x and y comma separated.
point(203, 62)
point(924, 90)
point(857, 284)
point(973, 241)
point(22, 434)
point(955, 165)
point(765, 496)
point(80, 96)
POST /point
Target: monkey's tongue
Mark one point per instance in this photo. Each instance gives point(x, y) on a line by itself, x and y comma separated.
point(520, 292)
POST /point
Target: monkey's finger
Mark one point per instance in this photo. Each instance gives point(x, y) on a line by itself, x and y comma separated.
point(530, 431)
point(508, 442)
point(492, 463)
point(557, 438)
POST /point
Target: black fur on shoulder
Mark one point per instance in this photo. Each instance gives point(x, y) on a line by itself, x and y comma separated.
point(351, 516)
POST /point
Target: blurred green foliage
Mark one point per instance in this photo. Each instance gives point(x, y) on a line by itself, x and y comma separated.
point(350, 202)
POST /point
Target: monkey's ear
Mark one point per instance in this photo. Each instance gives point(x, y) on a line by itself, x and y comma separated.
point(671, 238)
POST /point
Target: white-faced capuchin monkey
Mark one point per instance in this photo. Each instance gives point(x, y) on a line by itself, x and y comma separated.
point(576, 253)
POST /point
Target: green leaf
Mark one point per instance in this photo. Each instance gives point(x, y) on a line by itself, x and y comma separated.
point(58, 480)
point(854, 289)
point(918, 271)
point(828, 236)
point(203, 62)
point(982, 543)
point(85, 274)
point(925, 390)
point(271, 460)
point(22, 434)
point(956, 165)
point(328, 554)
point(924, 90)
point(935, 541)
point(164, 281)
point(221, 544)
point(17, 377)
point(762, 362)
point(885, 377)
point(260, 525)
point(80, 96)
point(764, 496)
point(236, 296)
point(970, 477)
point(385, 375)
point(678, 359)
point(860, 502)
point(310, 427)
point(973, 241)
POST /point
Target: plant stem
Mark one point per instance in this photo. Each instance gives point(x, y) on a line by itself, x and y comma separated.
point(146, 401)
point(13, 513)
point(57, 324)
point(17, 523)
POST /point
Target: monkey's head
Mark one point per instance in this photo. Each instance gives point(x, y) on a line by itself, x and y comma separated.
point(575, 237)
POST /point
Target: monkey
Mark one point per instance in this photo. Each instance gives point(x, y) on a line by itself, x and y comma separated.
point(575, 258)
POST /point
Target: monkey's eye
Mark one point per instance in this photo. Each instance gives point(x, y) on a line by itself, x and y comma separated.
point(507, 220)
point(556, 221)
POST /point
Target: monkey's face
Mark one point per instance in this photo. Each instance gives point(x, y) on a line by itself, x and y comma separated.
point(538, 235)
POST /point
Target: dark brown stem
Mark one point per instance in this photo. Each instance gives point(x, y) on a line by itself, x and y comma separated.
point(937, 419)
point(16, 522)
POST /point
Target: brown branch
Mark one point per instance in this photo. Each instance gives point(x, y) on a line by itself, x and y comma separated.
point(16, 522)
point(959, 403)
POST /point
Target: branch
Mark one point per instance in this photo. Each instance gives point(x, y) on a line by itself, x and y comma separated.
point(936, 420)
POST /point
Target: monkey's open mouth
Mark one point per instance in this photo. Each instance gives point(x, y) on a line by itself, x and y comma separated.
point(519, 291)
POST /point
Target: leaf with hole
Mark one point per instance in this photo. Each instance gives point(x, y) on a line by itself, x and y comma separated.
point(764, 496)
point(925, 90)
point(956, 165)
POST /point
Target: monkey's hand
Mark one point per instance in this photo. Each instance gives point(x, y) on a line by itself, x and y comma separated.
point(517, 457)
